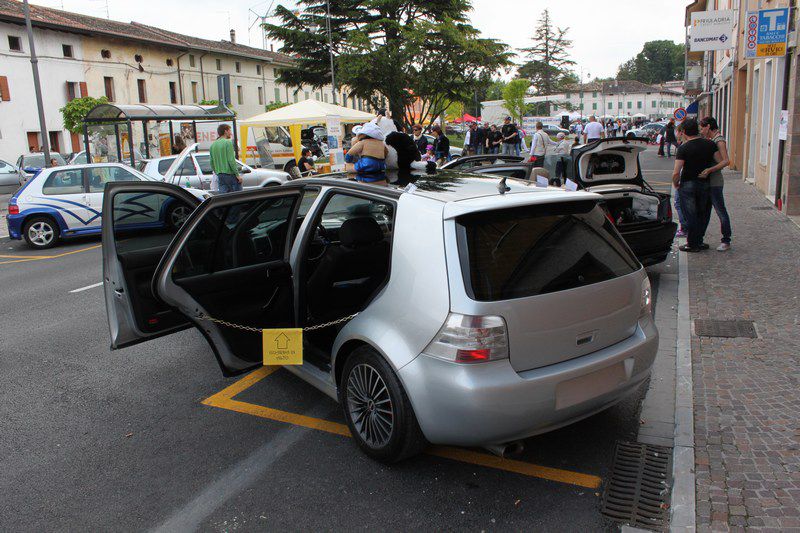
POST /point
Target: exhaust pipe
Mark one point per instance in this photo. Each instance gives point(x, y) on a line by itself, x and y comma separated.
point(506, 450)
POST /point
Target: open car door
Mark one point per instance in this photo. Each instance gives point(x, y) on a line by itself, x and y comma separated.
point(140, 219)
point(227, 271)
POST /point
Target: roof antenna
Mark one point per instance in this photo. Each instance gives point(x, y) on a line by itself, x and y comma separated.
point(502, 187)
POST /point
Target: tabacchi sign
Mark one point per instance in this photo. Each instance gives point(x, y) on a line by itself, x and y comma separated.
point(711, 30)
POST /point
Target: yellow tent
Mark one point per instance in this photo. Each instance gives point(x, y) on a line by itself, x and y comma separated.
point(295, 116)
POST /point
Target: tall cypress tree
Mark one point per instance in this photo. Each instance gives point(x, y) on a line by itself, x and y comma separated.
point(548, 62)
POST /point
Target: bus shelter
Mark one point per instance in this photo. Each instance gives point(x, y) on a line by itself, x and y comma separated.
point(117, 127)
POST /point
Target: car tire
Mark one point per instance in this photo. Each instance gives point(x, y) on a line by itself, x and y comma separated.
point(41, 232)
point(177, 215)
point(382, 423)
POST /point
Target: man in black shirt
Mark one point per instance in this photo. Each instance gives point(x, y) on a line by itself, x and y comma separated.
point(510, 137)
point(694, 156)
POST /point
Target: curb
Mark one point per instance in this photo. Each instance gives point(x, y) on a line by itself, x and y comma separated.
point(683, 512)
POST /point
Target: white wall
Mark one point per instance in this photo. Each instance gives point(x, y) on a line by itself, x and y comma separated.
point(19, 116)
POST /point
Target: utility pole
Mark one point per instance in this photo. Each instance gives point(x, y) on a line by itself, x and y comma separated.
point(330, 48)
point(37, 86)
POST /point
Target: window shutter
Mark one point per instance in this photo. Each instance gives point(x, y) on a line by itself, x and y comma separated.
point(84, 89)
point(5, 94)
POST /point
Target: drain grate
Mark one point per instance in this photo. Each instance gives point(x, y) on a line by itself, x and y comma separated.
point(639, 488)
point(725, 328)
point(762, 208)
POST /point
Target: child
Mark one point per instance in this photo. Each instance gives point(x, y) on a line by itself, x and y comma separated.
point(369, 149)
point(429, 154)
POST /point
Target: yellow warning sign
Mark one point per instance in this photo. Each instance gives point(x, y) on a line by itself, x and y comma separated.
point(282, 346)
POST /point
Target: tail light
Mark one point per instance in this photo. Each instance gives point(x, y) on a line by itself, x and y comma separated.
point(647, 299)
point(470, 339)
point(13, 209)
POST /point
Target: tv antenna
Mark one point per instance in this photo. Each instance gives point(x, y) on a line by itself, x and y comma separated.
point(261, 18)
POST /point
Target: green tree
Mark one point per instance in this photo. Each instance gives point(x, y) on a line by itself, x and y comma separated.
point(514, 98)
point(495, 90)
point(548, 60)
point(659, 61)
point(406, 51)
point(74, 112)
point(275, 105)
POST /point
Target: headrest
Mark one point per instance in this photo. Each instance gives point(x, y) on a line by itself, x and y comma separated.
point(358, 231)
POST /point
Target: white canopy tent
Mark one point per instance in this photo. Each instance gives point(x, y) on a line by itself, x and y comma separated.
point(308, 112)
point(639, 115)
point(295, 116)
point(574, 115)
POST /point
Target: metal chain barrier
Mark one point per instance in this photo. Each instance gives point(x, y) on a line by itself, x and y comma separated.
point(258, 330)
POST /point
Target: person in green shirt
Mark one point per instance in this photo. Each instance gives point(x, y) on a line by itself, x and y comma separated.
point(223, 161)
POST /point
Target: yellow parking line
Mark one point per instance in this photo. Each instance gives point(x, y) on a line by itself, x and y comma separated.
point(25, 258)
point(224, 400)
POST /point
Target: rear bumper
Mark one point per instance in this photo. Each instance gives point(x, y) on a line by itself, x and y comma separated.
point(473, 405)
point(651, 243)
point(14, 223)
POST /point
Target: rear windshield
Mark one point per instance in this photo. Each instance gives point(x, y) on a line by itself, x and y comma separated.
point(539, 249)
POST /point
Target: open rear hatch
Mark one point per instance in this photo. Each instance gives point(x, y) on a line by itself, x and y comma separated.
point(558, 273)
point(613, 160)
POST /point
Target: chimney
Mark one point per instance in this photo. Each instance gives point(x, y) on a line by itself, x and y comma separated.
point(233, 36)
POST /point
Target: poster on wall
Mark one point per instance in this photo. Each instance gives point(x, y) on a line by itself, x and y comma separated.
point(711, 30)
point(335, 132)
point(783, 126)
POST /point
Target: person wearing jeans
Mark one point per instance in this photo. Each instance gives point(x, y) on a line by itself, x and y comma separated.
point(681, 218)
point(696, 155)
point(710, 130)
point(223, 161)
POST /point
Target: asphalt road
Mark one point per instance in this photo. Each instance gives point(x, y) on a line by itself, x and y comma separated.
point(92, 439)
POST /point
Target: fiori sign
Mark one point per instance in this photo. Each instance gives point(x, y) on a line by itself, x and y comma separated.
point(711, 30)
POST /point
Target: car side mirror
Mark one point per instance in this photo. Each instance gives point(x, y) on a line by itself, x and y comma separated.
point(246, 170)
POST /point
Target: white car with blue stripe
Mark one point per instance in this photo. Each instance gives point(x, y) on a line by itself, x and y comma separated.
point(64, 202)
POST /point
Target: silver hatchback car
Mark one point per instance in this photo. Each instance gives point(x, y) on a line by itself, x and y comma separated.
point(456, 308)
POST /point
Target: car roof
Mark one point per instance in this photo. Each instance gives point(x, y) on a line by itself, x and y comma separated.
point(444, 185)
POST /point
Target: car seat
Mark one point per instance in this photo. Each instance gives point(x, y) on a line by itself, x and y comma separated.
point(349, 273)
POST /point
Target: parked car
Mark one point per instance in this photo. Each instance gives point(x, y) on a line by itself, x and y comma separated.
point(552, 131)
point(64, 202)
point(194, 168)
point(458, 311)
point(30, 164)
point(609, 167)
point(648, 131)
point(9, 177)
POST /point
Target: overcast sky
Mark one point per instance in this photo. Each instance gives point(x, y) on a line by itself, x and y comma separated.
point(604, 33)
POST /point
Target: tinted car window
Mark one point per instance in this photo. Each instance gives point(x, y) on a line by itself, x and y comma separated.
point(601, 164)
point(519, 173)
point(532, 250)
point(98, 177)
point(204, 162)
point(342, 207)
point(64, 182)
point(236, 236)
point(164, 165)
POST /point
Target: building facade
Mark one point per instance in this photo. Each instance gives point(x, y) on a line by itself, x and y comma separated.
point(129, 63)
point(748, 97)
point(609, 99)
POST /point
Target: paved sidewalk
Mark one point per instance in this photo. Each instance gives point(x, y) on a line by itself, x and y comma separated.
point(747, 391)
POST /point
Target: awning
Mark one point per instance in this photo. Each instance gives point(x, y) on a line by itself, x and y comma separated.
point(307, 112)
point(693, 108)
point(142, 112)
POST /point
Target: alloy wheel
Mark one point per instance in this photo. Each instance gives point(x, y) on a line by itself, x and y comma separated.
point(41, 233)
point(178, 216)
point(370, 405)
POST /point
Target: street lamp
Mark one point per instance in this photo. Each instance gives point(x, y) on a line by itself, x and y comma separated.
point(315, 28)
